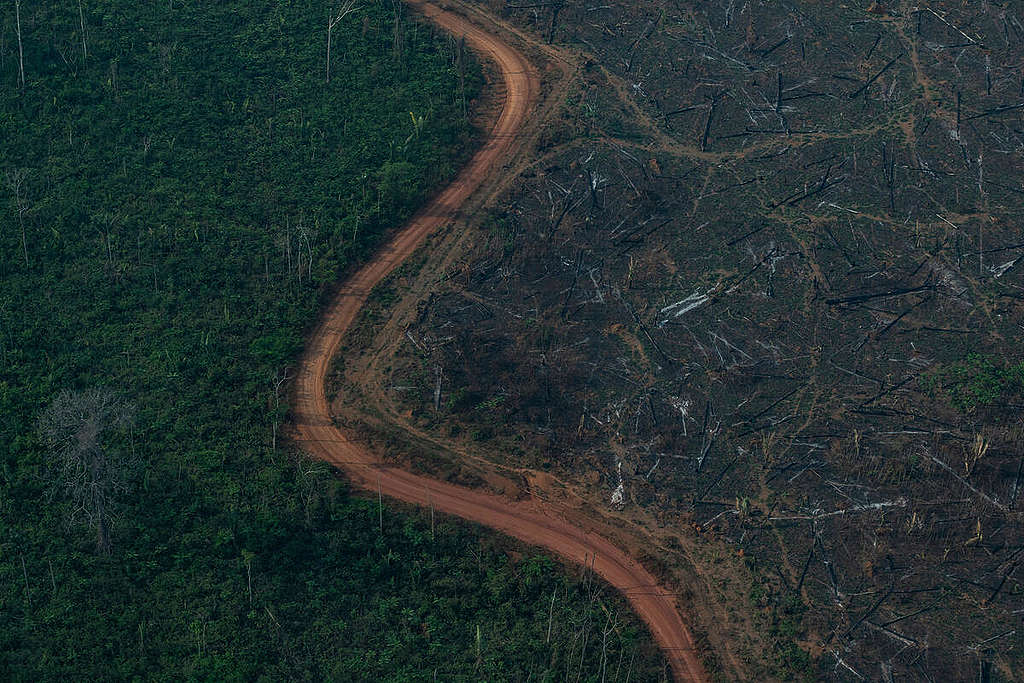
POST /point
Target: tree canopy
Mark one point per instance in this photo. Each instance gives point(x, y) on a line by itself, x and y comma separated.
point(188, 184)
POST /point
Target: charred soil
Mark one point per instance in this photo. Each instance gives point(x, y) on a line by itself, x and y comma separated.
point(750, 303)
point(533, 520)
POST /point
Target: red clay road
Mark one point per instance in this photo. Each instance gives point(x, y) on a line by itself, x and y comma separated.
point(532, 521)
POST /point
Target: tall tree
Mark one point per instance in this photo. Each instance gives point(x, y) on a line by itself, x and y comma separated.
point(347, 8)
point(21, 55)
point(15, 180)
point(81, 22)
point(82, 467)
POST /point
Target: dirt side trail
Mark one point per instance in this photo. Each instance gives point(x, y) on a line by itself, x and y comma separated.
point(530, 520)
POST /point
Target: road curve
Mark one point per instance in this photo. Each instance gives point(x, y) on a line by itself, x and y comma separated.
point(533, 521)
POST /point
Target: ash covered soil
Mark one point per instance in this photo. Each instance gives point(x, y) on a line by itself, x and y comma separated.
point(762, 283)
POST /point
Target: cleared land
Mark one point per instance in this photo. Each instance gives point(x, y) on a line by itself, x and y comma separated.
point(532, 522)
point(757, 302)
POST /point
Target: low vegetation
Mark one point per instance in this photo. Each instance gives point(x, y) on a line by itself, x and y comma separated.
point(976, 382)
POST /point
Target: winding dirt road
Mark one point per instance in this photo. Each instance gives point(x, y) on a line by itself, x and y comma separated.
point(530, 520)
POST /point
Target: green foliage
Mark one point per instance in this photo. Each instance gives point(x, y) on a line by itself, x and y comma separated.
point(975, 382)
point(794, 662)
point(491, 404)
point(783, 612)
point(188, 189)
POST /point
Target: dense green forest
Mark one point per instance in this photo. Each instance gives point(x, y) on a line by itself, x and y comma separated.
point(181, 183)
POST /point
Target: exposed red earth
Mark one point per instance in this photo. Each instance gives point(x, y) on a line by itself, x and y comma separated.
point(536, 522)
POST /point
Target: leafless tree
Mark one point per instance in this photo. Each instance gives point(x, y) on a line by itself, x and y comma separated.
point(83, 468)
point(347, 8)
point(15, 180)
point(81, 22)
point(280, 379)
point(21, 55)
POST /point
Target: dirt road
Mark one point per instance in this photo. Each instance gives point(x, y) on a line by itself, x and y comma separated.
point(532, 521)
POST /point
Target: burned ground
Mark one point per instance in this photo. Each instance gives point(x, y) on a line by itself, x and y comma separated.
point(764, 275)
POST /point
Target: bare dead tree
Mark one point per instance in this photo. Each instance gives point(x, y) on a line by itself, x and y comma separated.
point(82, 467)
point(81, 22)
point(280, 379)
point(437, 387)
point(397, 38)
point(21, 55)
point(347, 8)
point(310, 475)
point(15, 181)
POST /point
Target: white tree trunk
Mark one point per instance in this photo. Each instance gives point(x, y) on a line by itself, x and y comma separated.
point(81, 21)
point(21, 56)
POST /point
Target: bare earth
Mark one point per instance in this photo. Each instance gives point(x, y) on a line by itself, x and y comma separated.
point(536, 522)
